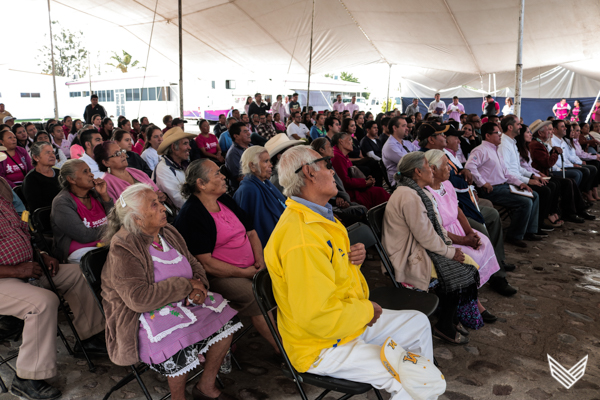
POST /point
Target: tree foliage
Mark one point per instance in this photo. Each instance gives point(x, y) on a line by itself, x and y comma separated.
point(123, 63)
point(70, 56)
point(385, 103)
point(348, 77)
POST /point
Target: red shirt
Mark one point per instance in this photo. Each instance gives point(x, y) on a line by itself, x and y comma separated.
point(209, 143)
point(138, 147)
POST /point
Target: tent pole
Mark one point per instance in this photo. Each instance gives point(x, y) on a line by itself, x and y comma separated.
point(494, 84)
point(519, 69)
point(52, 57)
point(387, 107)
point(312, 26)
point(180, 60)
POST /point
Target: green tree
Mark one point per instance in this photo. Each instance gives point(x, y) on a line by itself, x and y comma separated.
point(385, 103)
point(123, 63)
point(70, 56)
point(348, 77)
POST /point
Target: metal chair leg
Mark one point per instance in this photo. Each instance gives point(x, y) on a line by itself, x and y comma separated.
point(64, 340)
point(3, 388)
point(377, 394)
point(142, 385)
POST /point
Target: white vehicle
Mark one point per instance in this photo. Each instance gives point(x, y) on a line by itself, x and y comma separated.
point(375, 103)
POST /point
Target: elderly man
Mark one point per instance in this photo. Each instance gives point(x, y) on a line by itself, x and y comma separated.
point(413, 108)
point(169, 173)
point(241, 141)
point(327, 323)
point(492, 177)
point(437, 108)
point(38, 306)
point(258, 106)
point(339, 105)
point(89, 140)
point(93, 109)
point(352, 107)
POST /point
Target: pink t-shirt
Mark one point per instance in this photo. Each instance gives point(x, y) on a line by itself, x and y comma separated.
point(209, 143)
point(13, 170)
point(138, 147)
point(91, 219)
point(232, 245)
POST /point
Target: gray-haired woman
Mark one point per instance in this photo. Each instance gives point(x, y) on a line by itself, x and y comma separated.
point(78, 211)
point(156, 299)
point(257, 196)
point(41, 185)
point(421, 251)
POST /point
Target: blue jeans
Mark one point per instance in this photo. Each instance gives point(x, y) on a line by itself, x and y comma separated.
point(525, 211)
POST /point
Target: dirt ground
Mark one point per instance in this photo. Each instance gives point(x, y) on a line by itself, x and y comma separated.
point(556, 312)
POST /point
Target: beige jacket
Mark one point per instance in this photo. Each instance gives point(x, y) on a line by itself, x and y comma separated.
point(407, 232)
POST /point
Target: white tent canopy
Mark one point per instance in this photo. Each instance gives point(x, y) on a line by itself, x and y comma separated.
point(441, 43)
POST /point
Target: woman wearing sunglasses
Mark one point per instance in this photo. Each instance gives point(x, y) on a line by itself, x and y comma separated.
point(112, 160)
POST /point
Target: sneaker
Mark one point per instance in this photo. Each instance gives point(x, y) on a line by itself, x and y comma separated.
point(34, 389)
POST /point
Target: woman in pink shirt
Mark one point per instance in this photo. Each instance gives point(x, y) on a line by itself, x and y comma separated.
point(208, 143)
point(17, 163)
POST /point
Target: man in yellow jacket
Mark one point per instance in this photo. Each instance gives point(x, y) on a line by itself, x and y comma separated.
point(326, 321)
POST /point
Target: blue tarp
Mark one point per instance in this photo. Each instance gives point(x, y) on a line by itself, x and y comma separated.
point(531, 108)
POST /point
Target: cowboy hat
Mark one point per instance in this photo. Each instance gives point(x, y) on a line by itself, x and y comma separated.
point(279, 143)
point(538, 124)
point(3, 155)
point(171, 136)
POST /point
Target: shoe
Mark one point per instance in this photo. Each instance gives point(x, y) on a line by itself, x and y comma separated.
point(543, 234)
point(34, 389)
point(586, 215)
point(459, 338)
point(488, 317)
point(508, 267)
point(556, 224)
point(532, 237)
point(460, 328)
point(92, 346)
point(574, 218)
point(501, 286)
point(198, 395)
point(515, 242)
point(546, 228)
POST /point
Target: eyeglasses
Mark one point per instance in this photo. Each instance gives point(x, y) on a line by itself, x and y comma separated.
point(326, 159)
point(119, 153)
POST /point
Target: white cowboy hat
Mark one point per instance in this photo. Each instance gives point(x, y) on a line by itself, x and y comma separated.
point(171, 136)
point(538, 124)
point(3, 155)
point(280, 142)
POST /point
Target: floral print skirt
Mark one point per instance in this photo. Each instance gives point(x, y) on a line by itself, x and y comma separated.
point(187, 359)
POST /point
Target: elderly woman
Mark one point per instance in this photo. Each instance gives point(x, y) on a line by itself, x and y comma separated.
point(42, 136)
point(78, 211)
point(470, 241)
point(112, 159)
point(41, 185)
point(222, 237)
point(134, 160)
point(155, 138)
point(156, 299)
point(17, 163)
point(360, 189)
point(257, 196)
point(420, 249)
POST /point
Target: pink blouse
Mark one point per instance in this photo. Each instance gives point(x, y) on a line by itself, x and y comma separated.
point(91, 219)
point(116, 186)
point(233, 245)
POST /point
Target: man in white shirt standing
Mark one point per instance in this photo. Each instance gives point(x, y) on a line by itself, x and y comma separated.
point(297, 130)
point(339, 105)
point(437, 108)
point(352, 106)
point(279, 107)
point(456, 109)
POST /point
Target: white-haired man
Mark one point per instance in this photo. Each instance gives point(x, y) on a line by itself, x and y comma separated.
point(327, 323)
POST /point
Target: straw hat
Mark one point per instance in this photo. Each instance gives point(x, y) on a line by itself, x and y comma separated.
point(3, 156)
point(279, 143)
point(171, 136)
point(538, 124)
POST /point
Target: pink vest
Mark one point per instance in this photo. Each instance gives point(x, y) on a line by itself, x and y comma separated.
point(561, 111)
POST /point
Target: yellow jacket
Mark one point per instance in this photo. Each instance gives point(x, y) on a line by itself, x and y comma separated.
point(323, 299)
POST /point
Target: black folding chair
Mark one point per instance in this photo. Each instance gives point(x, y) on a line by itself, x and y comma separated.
point(91, 267)
point(10, 328)
point(397, 297)
point(263, 291)
point(390, 188)
point(40, 222)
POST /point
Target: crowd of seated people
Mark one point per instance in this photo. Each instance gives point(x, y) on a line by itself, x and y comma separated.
point(107, 186)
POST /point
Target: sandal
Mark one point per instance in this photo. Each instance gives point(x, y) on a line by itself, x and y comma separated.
point(458, 338)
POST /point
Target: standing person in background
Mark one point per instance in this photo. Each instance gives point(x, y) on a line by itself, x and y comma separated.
point(437, 108)
point(93, 109)
point(3, 112)
point(352, 107)
point(247, 105)
point(293, 105)
point(339, 105)
point(596, 108)
point(561, 109)
point(490, 106)
point(220, 126)
point(456, 109)
point(258, 106)
point(508, 108)
point(279, 108)
point(575, 111)
point(413, 108)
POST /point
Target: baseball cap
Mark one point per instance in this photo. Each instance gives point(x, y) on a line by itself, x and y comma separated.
point(426, 130)
point(418, 375)
point(7, 118)
point(178, 121)
point(453, 129)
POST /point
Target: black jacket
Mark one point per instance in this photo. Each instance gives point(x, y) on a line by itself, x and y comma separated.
point(90, 111)
point(256, 109)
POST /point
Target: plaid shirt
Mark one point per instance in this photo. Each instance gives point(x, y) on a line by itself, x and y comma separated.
point(266, 130)
point(15, 242)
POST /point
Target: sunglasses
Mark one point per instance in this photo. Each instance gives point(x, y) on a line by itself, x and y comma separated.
point(326, 159)
point(119, 153)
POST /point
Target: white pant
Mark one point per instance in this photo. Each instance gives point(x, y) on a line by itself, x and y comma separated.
point(359, 360)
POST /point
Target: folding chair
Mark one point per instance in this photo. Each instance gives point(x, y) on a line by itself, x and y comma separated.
point(19, 192)
point(397, 297)
point(390, 188)
point(91, 267)
point(263, 291)
point(11, 327)
point(40, 221)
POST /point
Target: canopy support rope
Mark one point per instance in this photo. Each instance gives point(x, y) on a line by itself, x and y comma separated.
point(147, 58)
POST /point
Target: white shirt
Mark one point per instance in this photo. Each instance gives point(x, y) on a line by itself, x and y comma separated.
point(512, 160)
point(279, 107)
point(352, 107)
point(568, 155)
point(452, 158)
point(169, 181)
point(508, 109)
point(151, 157)
point(437, 104)
point(339, 106)
point(300, 130)
point(93, 166)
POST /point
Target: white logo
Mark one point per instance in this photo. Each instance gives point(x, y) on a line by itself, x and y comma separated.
point(565, 377)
